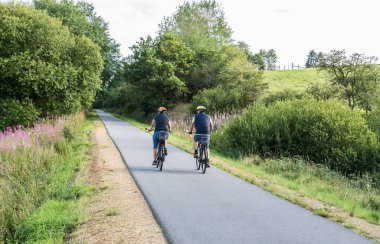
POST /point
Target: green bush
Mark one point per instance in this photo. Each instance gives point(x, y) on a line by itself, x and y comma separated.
point(282, 96)
point(14, 112)
point(227, 99)
point(323, 92)
point(326, 132)
point(373, 121)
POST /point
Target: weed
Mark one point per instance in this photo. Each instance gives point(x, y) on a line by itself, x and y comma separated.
point(112, 212)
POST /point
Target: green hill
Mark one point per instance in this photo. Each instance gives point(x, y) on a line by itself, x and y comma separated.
point(298, 80)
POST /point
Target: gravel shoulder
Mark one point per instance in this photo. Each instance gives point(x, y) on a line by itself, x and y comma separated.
point(117, 212)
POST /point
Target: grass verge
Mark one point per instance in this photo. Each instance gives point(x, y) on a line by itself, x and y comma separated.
point(351, 202)
point(40, 195)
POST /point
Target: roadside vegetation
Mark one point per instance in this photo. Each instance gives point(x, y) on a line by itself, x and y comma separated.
point(39, 189)
point(55, 57)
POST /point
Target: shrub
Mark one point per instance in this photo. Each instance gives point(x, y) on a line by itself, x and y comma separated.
point(282, 96)
point(326, 132)
point(14, 112)
point(227, 99)
point(323, 92)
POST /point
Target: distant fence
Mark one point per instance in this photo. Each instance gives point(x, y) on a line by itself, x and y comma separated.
point(289, 67)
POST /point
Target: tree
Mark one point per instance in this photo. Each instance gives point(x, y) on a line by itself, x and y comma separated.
point(199, 24)
point(81, 19)
point(357, 75)
point(265, 60)
point(202, 26)
point(158, 69)
point(259, 59)
point(270, 59)
point(313, 59)
point(43, 63)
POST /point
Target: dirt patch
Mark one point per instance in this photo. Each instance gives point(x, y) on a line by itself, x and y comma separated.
point(117, 212)
point(338, 215)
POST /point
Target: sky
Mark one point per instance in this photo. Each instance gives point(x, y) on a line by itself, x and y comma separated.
point(291, 27)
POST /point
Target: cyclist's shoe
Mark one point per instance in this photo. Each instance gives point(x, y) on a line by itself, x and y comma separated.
point(154, 162)
point(165, 151)
point(208, 164)
point(195, 153)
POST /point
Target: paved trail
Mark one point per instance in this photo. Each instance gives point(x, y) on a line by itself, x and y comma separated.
point(216, 207)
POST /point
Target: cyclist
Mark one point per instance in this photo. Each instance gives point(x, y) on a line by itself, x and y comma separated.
point(161, 122)
point(203, 127)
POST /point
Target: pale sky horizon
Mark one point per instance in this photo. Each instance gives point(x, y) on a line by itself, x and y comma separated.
point(291, 27)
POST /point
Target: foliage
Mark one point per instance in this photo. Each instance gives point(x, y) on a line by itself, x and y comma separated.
point(14, 112)
point(156, 75)
point(373, 118)
point(356, 75)
point(325, 132)
point(240, 84)
point(284, 95)
point(37, 171)
point(203, 27)
point(323, 92)
point(313, 59)
point(199, 24)
point(265, 59)
point(43, 63)
point(81, 19)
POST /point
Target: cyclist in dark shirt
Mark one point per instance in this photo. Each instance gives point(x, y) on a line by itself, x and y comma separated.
point(203, 126)
point(161, 122)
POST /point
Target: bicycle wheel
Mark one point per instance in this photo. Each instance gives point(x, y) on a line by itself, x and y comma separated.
point(197, 163)
point(197, 159)
point(158, 157)
point(161, 155)
point(203, 160)
point(161, 164)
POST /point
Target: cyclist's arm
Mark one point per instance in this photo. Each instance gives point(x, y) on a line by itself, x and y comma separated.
point(153, 124)
point(211, 125)
point(192, 126)
point(170, 125)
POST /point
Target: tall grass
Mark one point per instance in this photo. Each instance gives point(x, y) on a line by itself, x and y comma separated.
point(37, 172)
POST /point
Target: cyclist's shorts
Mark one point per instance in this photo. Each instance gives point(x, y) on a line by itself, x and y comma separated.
point(155, 138)
point(197, 138)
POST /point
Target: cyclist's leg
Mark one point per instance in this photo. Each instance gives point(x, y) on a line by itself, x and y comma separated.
point(165, 148)
point(208, 148)
point(155, 146)
point(196, 141)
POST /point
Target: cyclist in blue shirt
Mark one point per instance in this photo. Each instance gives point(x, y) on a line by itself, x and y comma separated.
point(202, 123)
point(161, 122)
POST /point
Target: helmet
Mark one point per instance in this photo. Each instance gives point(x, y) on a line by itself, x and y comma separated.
point(201, 108)
point(162, 109)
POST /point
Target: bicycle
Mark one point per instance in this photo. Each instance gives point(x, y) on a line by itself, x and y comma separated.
point(160, 158)
point(201, 159)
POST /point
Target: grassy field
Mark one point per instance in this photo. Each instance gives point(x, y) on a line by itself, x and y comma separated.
point(316, 188)
point(297, 80)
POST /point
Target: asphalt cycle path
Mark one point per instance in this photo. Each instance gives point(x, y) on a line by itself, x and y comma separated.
point(215, 207)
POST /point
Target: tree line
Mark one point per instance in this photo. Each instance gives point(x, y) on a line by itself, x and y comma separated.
point(55, 56)
point(193, 58)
